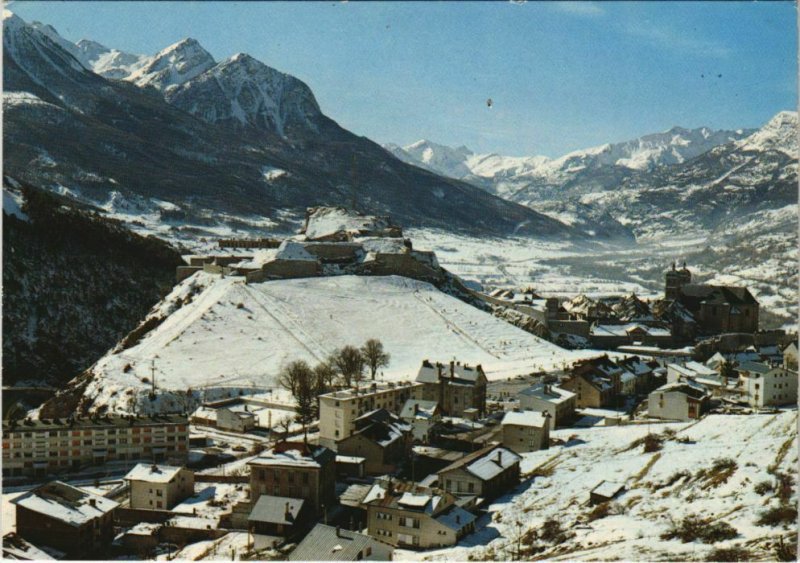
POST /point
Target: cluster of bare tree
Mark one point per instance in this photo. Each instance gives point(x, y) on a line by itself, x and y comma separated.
point(344, 367)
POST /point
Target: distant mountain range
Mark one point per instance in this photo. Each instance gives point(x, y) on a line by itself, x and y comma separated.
point(650, 185)
point(227, 140)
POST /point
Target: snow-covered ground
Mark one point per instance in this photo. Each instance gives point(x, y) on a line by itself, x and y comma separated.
point(223, 336)
point(661, 487)
point(230, 547)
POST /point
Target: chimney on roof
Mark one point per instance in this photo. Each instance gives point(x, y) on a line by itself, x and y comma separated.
point(338, 531)
point(452, 369)
point(499, 460)
point(673, 265)
point(92, 503)
point(287, 514)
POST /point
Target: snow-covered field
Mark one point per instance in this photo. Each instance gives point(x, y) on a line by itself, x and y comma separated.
point(223, 335)
point(661, 487)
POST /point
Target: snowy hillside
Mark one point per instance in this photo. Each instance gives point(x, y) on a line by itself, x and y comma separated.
point(708, 469)
point(219, 334)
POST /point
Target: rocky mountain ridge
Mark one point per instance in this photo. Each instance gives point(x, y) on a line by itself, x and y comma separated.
point(233, 141)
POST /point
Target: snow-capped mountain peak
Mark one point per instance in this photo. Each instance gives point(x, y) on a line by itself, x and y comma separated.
point(110, 63)
point(178, 63)
point(779, 134)
point(440, 158)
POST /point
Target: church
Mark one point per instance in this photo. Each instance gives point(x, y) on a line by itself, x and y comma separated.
point(716, 309)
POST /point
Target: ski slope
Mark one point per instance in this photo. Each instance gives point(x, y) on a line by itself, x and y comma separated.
point(232, 335)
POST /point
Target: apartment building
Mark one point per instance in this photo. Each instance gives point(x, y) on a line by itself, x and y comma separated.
point(339, 410)
point(382, 439)
point(159, 487)
point(404, 514)
point(37, 448)
point(295, 470)
point(766, 385)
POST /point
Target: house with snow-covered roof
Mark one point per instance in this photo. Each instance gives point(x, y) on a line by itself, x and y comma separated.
point(405, 514)
point(546, 398)
point(595, 382)
point(159, 487)
point(698, 373)
point(455, 386)
point(329, 543)
point(682, 401)
point(605, 491)
point(423, 416)
point(67, 518)
point(487, 473)
point(689, 370)
point(295, 470)
point(526, 431)
point(279, 516)
point(643, 371)
point(381, 438)
point(611, 336)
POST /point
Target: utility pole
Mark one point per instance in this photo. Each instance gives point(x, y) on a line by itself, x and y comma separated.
point(153, 377)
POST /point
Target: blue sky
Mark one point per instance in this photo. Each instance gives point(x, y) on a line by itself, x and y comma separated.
point(562, 76)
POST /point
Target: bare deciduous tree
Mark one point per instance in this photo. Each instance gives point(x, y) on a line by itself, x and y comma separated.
point(292, 373)
point(350, 364)
point(325, 375)
point(374, 355)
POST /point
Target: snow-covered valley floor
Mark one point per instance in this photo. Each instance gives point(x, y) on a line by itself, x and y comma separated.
point(661, 487)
